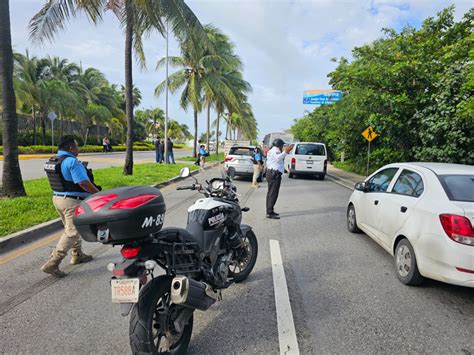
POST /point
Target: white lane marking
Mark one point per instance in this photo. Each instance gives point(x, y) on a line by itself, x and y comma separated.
point(286, 325)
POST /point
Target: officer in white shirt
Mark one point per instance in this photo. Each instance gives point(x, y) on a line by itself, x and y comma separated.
point(275, 169)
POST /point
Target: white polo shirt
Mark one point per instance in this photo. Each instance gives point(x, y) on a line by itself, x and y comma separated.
point(276, 160)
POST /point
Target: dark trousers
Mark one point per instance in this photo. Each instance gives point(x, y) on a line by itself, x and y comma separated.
point(274, 182)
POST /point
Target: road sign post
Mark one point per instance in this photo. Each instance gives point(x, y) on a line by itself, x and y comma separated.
point(52, 116)
point(369, 134)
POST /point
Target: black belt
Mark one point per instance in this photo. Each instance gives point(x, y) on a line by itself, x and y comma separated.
point(68, 196)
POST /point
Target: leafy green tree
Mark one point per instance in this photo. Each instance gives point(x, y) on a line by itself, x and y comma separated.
point(414, 87)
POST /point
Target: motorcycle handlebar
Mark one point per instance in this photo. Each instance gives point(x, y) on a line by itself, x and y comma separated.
point(186, 187)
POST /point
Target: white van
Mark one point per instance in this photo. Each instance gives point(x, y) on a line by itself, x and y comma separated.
point(307, 158)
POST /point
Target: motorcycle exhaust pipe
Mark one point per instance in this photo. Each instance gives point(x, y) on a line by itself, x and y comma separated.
point(191, 293)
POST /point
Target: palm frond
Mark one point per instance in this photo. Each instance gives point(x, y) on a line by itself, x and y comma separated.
point(55, 13)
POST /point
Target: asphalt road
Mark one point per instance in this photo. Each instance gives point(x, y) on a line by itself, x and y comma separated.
point(343, 291)
point(33, 168)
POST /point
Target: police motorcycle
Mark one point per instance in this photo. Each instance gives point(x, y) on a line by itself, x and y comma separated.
point(213, 252)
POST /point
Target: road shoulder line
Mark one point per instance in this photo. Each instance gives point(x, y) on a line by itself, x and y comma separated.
point(286, 326)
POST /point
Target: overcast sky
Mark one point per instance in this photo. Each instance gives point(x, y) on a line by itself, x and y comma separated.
point(286, 46)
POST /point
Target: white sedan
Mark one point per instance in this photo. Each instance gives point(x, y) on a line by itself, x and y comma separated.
point(423, 215)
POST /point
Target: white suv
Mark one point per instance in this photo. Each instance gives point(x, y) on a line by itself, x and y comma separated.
point(307, 158)
point(240, 158)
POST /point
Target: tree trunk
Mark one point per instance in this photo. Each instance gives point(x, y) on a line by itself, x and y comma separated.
point(208, 126)
point(128, 168)
point(195, 133)
point(217, 133)
point(43, 128)
point(34, 125)
point(12, 183)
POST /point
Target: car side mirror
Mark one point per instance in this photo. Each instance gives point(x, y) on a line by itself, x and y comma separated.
point(184, 172)
point(362, 186)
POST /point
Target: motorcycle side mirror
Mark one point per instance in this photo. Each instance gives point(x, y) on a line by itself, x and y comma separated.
point(231, 172)
point(245, 209)
point(184, 172)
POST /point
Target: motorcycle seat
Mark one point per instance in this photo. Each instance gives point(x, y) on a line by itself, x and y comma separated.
point(176, 235)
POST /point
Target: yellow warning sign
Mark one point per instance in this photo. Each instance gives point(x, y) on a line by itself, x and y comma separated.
point(369, 134)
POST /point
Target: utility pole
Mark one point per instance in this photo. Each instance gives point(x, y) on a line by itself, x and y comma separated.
point(166, 97)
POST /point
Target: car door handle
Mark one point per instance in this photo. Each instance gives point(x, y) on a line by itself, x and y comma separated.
point(403, 209)
point(376, 202)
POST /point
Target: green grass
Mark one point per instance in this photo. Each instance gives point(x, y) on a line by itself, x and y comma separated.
point(212, 157)
point(350, 167)
point(37, 207)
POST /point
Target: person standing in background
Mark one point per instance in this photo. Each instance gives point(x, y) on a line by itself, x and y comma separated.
point(202, 156)
point(105, 144)
point(275, 169)
point(158, 154)
point(170, 157)
point(162, 151)
point(257, 161)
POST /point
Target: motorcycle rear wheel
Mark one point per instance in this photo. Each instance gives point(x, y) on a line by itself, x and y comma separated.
point(151, 322)
point(244, 262)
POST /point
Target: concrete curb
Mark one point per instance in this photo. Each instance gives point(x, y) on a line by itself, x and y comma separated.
point(341, 181)
point(40, 231)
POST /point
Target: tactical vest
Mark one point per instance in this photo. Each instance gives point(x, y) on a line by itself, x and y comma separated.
point(56, 179)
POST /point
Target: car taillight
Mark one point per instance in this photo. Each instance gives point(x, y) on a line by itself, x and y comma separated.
point(130, 252)
point(132, 202)
point(458, 228)
point(79, 210)
point(227, 159)
point(293, 161)
point(96, 203)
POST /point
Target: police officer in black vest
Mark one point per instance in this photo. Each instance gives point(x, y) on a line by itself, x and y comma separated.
point(71, 183)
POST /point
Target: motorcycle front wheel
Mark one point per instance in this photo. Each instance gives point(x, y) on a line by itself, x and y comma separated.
point(245, 257)
point(152, 329)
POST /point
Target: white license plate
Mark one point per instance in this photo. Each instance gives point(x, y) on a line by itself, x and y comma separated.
point(242, 161)
point(310, 162)
point(125, 290)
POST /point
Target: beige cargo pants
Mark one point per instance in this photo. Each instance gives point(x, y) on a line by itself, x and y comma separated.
point(257, 169)
point(70, 239)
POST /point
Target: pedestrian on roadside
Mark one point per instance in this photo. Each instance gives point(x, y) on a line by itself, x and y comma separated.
point(257, 161)
point(158, 154)
point(170, 157)
point(71, 183)
point(202, 156)
point(162, 152)
point(105, 144)
point(275, 169)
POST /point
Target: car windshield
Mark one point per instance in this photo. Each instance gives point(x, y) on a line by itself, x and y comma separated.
point(310, 149)
point(458, 187)
point(241, 151)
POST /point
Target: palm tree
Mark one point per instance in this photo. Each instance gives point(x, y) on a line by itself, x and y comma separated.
point(27, 75)
point(136, 17)
point(12, 183)
point(200, 76)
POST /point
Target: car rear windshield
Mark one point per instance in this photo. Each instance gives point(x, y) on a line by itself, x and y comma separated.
point(310, 149)
point(458, 187)
point(241, 151)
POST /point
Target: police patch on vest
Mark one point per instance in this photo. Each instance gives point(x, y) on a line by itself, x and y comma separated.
point(216, 219)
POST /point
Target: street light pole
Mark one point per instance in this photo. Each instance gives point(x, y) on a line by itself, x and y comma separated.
point(166, 97)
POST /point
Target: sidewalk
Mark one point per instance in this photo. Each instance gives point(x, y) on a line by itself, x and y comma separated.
point(344, 178)
point(44, 155)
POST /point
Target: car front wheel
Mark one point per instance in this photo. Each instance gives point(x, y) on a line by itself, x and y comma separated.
point(405, 264)
point(352, 220)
